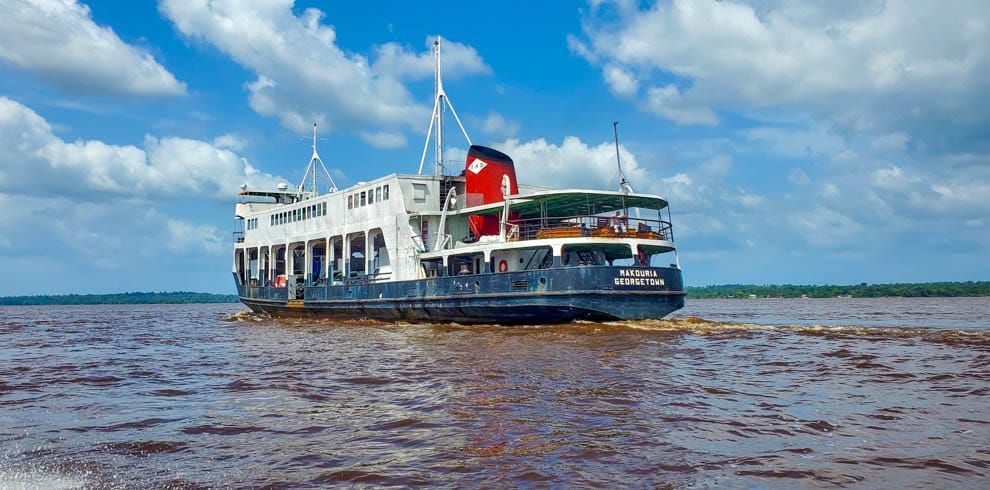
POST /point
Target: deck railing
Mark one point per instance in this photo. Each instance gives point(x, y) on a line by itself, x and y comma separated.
point(590, 226)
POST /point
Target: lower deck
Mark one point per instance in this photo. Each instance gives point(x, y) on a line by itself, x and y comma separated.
point(541, 296)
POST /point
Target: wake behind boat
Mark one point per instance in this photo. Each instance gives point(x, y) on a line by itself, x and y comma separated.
point(475, 248)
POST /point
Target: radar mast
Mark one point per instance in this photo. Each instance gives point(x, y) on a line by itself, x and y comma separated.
point(312, 168)
point(440, 101)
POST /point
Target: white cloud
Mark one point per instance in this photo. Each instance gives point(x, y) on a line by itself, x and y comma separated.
point(188, 238)
point(892, 142)
point(400, 62)
point(230, 142)
point(680, 178)
point(798, 177)
point(40, 162)
point(384, 139)
point(304, 76)
point(668, 103)
point(573, 164)
point(750, 200)
point(825, 227)
point(864, 64)
point(620, 81)
point(58, 40)
point(497, 126)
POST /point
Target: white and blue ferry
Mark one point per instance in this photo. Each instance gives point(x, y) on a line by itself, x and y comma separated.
point(473, 248)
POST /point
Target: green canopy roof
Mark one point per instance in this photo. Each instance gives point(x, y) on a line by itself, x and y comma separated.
point(570, 203)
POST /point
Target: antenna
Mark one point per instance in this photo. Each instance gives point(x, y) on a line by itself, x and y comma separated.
point(312, 165)
point(624, 185)
point(440, 100)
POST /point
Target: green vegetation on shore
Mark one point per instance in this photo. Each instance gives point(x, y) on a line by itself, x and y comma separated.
point(178, 297)
point(932, 289)
point(923, 290)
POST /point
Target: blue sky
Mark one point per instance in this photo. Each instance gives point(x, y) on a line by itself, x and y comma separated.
point(798, 142)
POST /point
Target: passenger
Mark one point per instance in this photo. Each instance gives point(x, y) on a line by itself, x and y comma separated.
point(463, 270)
point(619, 223)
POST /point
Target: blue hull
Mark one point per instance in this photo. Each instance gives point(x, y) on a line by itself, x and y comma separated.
point(555, 295)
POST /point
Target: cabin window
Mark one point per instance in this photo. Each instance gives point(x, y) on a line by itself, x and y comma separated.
point(463, 265)
point(522, 259)
point(432, 267)
point(350, 201)
point(385, 192)
point(371, 196)
point(364, 198)
point(596, 254)
point(304, 212)
point(323, 212)
point(419, 192)
point(378, 193)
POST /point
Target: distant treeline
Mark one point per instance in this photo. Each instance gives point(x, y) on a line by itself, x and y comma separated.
point(179, 297)
point(864, 290)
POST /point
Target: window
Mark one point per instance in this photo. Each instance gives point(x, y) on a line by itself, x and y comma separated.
point(350, 201)
point(371, 196)
point(271, 220)
point(305, 211)
point(364, 198)
point(385, 192)
point(419, 192)
point(378, 193)
point(324, 211)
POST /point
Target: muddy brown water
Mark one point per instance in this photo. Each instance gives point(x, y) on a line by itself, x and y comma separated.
point(727, 393)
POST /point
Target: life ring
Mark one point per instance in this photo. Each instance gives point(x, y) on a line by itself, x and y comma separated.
point(503, 266)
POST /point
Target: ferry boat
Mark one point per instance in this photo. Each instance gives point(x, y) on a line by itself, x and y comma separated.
point(478, 247)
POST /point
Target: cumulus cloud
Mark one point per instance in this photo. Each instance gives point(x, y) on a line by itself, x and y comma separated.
point(189, 238)
point(864, 64)
point(165, 167)
point(304, 76)
point(499, 127)
point(399, 61)
point(58, 40)
point(620, 81)
point(384, 139)
point(573, 164)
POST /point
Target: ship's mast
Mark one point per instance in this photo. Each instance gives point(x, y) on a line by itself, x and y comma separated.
point(313, 166)
point(440, 101)
point(440, 96)
point(624, 186)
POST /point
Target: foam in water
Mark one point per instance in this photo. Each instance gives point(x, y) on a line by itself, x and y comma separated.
point(39, 479)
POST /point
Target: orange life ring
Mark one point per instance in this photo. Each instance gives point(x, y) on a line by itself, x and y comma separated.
point(503, 266)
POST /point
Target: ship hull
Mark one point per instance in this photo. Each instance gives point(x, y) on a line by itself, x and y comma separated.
point(530, 297)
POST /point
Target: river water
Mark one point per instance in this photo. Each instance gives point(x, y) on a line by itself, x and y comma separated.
point(890, 393)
